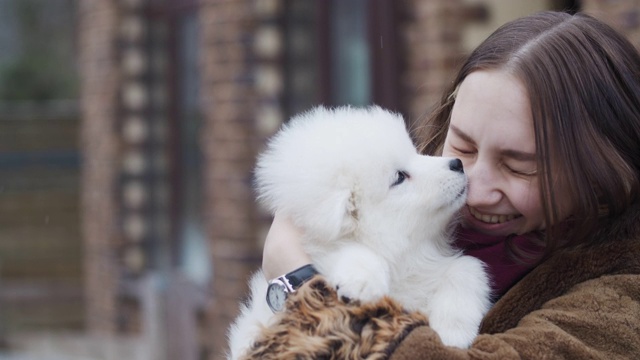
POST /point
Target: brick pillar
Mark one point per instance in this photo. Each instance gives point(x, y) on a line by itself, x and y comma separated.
point(99, 86)
point(431, 40)
point(229, 102)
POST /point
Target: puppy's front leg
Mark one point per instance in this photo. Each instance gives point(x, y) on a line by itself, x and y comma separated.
point(358, 272)
point(462, 298)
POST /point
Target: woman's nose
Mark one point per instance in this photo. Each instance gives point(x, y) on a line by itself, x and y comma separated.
point(456, 165)
point(484, 185)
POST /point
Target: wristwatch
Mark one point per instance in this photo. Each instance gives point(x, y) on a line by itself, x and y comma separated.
point(280, 287)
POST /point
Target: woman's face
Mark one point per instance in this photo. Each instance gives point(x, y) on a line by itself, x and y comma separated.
point(491, 131)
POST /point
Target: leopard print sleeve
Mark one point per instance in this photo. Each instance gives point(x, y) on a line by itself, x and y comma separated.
point(318, 324)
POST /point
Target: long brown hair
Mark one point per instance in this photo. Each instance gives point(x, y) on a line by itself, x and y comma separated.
point(583, 81)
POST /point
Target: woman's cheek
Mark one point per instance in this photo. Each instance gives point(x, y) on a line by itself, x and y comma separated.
point(526, 199)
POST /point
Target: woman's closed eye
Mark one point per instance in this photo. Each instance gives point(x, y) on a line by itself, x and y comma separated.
point(400, 177)
point(463, 151)
point(522, 173)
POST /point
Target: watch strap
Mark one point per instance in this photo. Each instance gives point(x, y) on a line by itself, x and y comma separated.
point(300, 275)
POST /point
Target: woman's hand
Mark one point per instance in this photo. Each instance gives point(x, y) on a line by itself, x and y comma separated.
point(283, 251)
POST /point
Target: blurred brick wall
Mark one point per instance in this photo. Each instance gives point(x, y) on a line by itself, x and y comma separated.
point(99, 145)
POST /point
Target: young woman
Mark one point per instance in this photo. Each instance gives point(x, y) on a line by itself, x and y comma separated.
point(545, 116)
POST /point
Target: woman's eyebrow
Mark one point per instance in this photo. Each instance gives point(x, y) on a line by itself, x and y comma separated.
point(510, 153)
point(461, 134)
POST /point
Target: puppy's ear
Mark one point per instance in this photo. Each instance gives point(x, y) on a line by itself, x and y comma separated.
point(335, 215)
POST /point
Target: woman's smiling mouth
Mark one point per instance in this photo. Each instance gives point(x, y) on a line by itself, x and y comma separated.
point(491, 219)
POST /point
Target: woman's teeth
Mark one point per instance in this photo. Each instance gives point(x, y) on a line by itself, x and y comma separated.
point(491, 219)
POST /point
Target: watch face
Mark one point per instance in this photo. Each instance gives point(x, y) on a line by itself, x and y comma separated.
point(276, 296)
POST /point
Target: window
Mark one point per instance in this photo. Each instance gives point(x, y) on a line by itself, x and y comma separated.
point(340, 52)
point(194, 256)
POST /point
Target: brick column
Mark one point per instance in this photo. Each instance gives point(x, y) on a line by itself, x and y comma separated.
point(431, 40)
point(99, 87)
point(229, 145)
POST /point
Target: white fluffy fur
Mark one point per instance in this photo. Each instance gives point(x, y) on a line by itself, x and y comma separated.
point(332, 171)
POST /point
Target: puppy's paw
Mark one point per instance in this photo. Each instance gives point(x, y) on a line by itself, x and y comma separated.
point(364, 278)
point(357, 288)
point(460, 335)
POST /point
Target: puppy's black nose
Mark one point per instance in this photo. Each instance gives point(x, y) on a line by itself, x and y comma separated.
point(456, 165)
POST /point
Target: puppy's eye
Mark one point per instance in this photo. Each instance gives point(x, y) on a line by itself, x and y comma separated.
point(401, 176)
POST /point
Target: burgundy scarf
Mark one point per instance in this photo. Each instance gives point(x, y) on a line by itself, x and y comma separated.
point(504, 270)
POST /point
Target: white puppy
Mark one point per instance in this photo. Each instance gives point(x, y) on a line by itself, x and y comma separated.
point(376, 217)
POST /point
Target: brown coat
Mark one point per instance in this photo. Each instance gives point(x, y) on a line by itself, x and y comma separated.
point(582, 303)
